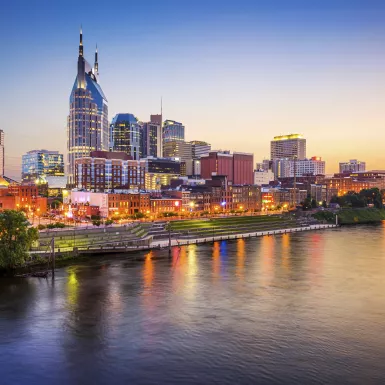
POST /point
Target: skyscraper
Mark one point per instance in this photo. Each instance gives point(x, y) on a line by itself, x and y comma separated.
point(151, 137)
point(125, 135)
point(1, 153)
point(172, 130)
point(288, 146)
point(87, 125)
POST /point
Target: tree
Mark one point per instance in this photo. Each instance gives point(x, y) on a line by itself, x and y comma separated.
point(306, 204)
point(324, 205)
point(372, 196)
point(16, 238)
point(314, 204)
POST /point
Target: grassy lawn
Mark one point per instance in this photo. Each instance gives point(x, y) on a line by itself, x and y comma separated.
point(227, 223)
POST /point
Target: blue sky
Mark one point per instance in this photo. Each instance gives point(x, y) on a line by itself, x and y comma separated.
point(235, 72)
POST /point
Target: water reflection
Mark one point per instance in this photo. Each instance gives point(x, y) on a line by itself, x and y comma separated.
point(240, 266)
point(72, 288)
point(148, 271)
point(267, 259)
point(216, 257)
point(198, 317)
point(285, 249)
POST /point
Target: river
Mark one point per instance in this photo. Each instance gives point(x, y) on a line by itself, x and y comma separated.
point(304, 308)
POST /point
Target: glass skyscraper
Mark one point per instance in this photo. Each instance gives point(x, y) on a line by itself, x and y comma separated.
point(172, 130)
point(42, 163)
point(87, 125)
point(125, 135)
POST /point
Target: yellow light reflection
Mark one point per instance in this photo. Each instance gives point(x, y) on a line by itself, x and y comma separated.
point(148, 271)
point(216, 260)
point(267, 266)
point(240, 267)
point(286, 251)
point(72, 287)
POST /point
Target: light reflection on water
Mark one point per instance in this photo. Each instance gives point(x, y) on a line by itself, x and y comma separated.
point(299, 308)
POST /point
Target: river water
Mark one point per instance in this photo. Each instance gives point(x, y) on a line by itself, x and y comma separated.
point(306, 308)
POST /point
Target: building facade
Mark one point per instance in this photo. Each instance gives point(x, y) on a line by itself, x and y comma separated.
point(288, 146)
point(87, 123)
point(151, 138)
point(105, 171)
point(262, 177)
point(173, 130)
point(125, 135)
point(353, 165)
point(237, 167)
point(287, 168)
point(159, 172)
point(42, 163)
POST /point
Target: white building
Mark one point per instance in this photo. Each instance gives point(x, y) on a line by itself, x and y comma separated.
point(94, 199)
point(262, 177)
point(353, 165)
point(286, 168)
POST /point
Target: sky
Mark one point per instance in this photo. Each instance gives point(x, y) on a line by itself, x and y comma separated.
point(236, 73)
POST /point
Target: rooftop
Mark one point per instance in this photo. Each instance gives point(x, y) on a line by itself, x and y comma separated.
point(288, 137)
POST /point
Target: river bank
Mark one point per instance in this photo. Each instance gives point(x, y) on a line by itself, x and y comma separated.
point(360, 216)
point(69, 256)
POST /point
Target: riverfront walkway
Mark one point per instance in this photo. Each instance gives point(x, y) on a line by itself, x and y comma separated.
point(165, 243)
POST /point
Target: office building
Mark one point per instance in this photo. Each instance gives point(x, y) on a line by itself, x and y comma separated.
point(125, 135)
point(288, 146)
point(151, 137)
point(353, 165)
point(159, 172)
point(87, 123)
point(177, 149)
point(265, 165)
point(105, 171)
point(199, 148)
point(39, 164)
point(172, 130)
point(262, 177)
point(237, 167)
point(286, 168)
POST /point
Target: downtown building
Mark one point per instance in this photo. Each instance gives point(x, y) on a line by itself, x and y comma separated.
point(288, 168)
point(87, 123)
point(353, 165)
point(236, 167)
point(291, 146)
point(42, 164)
point(151, 143)
point(125, 134)
point(172, 131)
point(105, 171)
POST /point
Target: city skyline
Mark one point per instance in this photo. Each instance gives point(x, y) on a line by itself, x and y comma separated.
point(299, 68)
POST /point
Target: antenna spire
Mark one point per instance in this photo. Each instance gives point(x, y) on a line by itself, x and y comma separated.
point(96, 66)
point(81, 42)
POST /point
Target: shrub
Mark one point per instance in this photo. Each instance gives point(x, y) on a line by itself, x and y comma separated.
point(41, 227)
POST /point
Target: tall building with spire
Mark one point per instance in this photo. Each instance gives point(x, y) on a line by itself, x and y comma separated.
point(87, 123)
